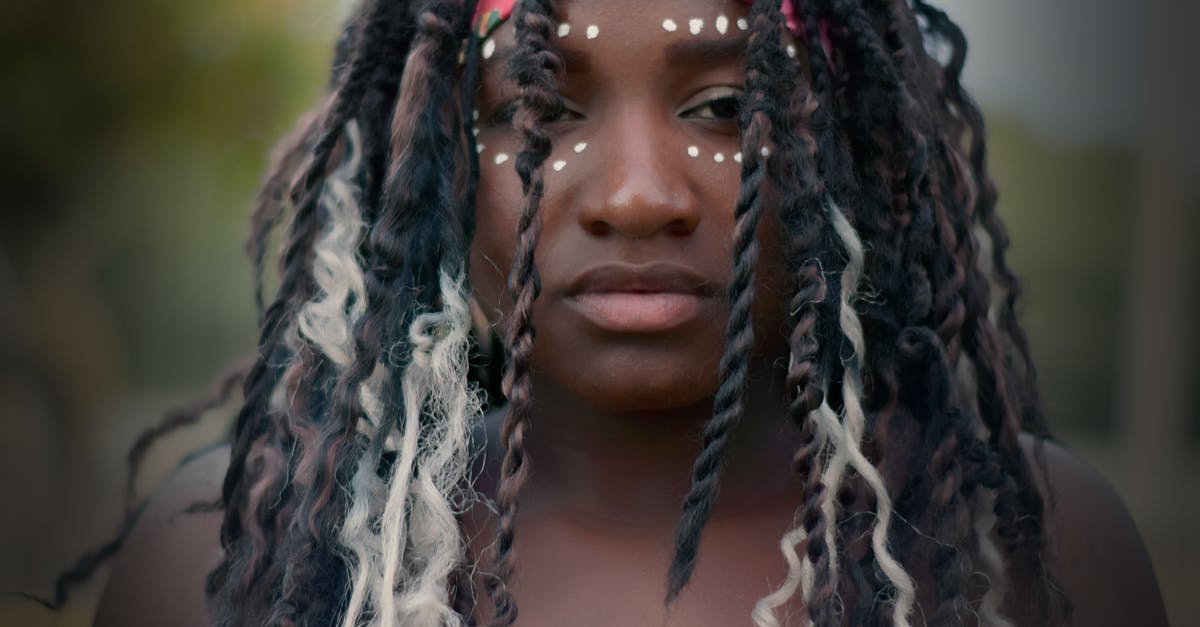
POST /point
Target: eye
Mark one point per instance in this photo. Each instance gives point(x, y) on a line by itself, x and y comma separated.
point(715, 103)
point(503, 115)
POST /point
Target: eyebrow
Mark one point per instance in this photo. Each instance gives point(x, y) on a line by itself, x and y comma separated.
point(699, 50)
point(687, 51)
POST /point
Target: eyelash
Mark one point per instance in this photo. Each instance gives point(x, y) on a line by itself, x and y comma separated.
point(728, 100)
point(504, 114)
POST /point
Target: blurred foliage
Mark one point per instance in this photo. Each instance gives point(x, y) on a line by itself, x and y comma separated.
point(1067, 210)
point(134, 137)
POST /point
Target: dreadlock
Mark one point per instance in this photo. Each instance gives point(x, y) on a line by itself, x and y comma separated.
point(349, 472)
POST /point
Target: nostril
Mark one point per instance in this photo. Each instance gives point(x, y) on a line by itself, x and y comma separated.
point(599, 228)
point(680, 226)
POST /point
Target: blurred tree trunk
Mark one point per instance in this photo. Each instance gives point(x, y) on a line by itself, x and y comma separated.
point(1157, 372)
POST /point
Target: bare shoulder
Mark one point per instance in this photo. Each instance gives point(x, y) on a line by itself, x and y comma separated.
point(1099, 556)
point(158, 576)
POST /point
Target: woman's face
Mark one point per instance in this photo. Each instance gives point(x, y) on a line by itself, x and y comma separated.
point(638, 212)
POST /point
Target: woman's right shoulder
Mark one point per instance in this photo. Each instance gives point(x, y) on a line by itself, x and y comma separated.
point(158, 576)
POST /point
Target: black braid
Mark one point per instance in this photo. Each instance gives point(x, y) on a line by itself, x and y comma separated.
point(805, 139)
point(536, 68)
point(248, 553)
point(763, 57)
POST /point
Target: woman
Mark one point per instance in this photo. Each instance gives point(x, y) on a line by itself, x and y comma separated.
point(759, 248)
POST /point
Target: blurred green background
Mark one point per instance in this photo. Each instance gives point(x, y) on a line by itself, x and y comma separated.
point(133, 135)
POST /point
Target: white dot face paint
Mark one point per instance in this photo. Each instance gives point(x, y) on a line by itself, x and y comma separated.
point(693, 151)
point(669, 25)
point(559, 165)
point(791, 51)
point(564, 30)
point(719, 158)
point(474, 114)
point(593, 31)
point(580, 147)
point(737, 156)
point(695, 25)
point(475, 132)
point(766, 152)
point(743, 24)
point(722, 24)
point(489, 48)
point(479, 148)
point(501, 158)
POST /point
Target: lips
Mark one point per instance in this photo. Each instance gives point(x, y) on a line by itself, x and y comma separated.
point(639, 299)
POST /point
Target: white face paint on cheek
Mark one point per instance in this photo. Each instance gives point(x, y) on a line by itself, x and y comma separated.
point(719, 158)
point(479, 148)
point(501, 158)
point(693, 151)
point(791, 51)
point(743, 24)
point(593, 31)
point(737, 156)
point(559, 165)
point(580, 147)
point(489, 48)
point(669, 25)
point(695, 25)
point(564, 30)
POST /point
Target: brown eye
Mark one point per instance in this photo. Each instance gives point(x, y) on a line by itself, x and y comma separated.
point(503, 115)
point(717, 103)
point(724, 108)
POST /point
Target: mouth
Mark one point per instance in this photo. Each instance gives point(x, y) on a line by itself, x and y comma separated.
point(639, 299)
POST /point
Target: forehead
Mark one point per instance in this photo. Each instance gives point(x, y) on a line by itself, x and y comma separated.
point(631, 15)
point(631, 32)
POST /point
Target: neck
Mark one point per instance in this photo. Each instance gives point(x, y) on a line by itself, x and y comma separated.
point(633, 468)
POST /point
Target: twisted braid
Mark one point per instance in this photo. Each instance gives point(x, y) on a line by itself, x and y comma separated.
point(763, 56)
point(812, 565)
point(949, 500)
point(536, 67)
point(1032, 416)
point(1016, 390)
point(319, 508)
point(415, 230)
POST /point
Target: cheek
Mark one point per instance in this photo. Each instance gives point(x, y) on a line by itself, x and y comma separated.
point(496, 217)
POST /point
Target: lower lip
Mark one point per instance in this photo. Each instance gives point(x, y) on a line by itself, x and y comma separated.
point(638, 311)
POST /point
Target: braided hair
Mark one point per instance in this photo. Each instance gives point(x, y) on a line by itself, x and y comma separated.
point(350, 457)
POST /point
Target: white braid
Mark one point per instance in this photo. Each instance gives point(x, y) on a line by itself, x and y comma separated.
point(845, 438)
point(442, 464)
point(327, 322)
point(855, 422)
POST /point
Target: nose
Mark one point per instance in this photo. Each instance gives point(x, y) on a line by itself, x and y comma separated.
point(638, 191)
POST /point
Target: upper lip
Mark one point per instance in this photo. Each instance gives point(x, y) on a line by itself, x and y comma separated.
point(650, 278)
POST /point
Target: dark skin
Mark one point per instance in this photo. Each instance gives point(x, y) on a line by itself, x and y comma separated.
point(618, 410)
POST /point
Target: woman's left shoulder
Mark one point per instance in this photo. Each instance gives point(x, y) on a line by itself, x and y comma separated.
point(1098, 554)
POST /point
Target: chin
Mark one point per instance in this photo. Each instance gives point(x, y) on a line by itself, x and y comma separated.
point(635, 380)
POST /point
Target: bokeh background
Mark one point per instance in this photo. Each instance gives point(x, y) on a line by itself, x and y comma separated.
point(133, 134)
